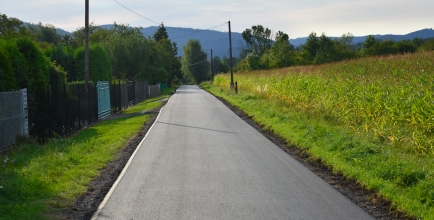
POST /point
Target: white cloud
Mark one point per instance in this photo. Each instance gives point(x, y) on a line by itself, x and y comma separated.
point(297, 17)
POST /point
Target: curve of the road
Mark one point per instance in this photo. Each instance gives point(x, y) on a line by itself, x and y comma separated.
point(201, 161)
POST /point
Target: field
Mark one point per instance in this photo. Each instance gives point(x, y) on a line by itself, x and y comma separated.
point(371, 119)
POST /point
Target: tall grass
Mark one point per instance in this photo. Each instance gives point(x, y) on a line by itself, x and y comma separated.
point(390, 97)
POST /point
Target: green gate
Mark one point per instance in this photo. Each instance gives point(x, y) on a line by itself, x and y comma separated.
point(103, 92)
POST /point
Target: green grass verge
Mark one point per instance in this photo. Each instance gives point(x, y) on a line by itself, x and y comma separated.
point(37, 181)
point(401, 177)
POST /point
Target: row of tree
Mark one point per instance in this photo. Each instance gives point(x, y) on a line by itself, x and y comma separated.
point(36, 57)
point(121, 52)
point(263, 49)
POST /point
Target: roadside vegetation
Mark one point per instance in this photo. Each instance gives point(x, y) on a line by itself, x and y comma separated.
point(38, 180)
point(371, 119)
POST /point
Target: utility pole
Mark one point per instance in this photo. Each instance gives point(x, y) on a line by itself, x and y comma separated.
point(230, 53)
point(86, 47)
point(86, 58)
point(211, 67)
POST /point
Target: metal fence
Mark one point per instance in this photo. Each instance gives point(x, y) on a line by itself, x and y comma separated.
point(63, 110)
point(13, 117)
point(154, 90)
point(103, 94)
point(126, 94)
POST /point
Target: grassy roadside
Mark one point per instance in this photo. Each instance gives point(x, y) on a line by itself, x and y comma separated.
point(37, 181)
point(402, 177)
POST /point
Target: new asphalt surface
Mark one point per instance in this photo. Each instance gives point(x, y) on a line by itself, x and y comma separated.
point(201, 161)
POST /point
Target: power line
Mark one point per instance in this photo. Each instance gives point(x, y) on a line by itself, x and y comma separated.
point(197, 63)
point(200, 30)
point(204, 54)
point(136, 12)
point(170, 27)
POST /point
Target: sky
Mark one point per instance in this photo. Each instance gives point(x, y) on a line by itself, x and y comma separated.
point(297, 18)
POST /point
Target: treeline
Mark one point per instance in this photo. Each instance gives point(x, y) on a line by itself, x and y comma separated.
point(29, 52)
point(263, 49)
point(36, 57)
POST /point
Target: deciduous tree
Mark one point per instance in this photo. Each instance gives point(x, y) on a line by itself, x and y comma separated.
point(258, 39)
point(194, 62)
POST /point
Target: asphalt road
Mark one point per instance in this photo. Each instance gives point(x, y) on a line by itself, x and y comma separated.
point(201, 161)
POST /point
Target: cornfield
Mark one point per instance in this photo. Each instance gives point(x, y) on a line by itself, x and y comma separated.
point(390, 97)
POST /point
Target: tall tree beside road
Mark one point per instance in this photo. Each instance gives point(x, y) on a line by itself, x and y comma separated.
point(258, 39)
point(161, 33)
point(168, 51)
point(100, 68)
point(282, 52)
point(12, 27)
point(194, 62)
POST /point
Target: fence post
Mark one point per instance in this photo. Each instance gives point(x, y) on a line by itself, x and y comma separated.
point(120, 95)
point(79, 107)
point(49, 111)
point(25, 112)
point(65, 122)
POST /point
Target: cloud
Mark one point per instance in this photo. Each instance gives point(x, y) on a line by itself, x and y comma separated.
point(296, 17)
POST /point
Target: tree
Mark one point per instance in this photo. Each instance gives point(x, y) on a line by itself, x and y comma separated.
point(19, 63)
point(129, 52)
point(78, 35)
point(64, 56)
point(368, 46)
point(7, 76)
point(223, 66)
point(216, 64)
point(258, 39)
point(37, 79)
point(161, 33)
point(344, 48)
point(282, 52)
point(12, 27)
point(406, 46)
point(45, 33)
point(194, 62)
point(99, 64)
point(253, 61)
point(312, 45)
point(326, 50)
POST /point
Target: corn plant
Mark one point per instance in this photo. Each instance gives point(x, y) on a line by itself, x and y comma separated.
point(390, 97)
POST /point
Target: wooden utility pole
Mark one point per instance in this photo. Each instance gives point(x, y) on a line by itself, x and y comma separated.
point(210, 78)
point(86, 47)
point(230, 53)
point(86, 59)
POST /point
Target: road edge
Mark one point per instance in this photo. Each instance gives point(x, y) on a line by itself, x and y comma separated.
point(124, 170)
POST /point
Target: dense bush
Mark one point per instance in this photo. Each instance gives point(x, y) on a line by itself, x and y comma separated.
point(64, 57)
point(7, 78)
point(99, 64)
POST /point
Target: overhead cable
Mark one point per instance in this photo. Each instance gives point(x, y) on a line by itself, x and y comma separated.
point(180, 29)
point(196, 63)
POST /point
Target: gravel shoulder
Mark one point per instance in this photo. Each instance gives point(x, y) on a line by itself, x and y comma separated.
point(86, 204)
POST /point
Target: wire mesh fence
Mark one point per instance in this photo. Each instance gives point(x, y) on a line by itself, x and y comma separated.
point(60, 111)
point(13, 116)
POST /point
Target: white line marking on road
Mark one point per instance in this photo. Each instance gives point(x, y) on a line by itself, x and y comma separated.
point(112, 189)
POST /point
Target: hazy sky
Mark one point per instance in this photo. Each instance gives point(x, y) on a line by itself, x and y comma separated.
point(297, 18)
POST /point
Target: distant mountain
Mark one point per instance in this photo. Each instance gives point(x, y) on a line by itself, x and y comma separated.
point(424, 33)
point(58, 30)
point(209, 39)
point(219, 41)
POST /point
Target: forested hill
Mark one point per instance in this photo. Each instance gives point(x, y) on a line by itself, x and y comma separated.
point(424, 33)
point(209, 39)
point(219, 41)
